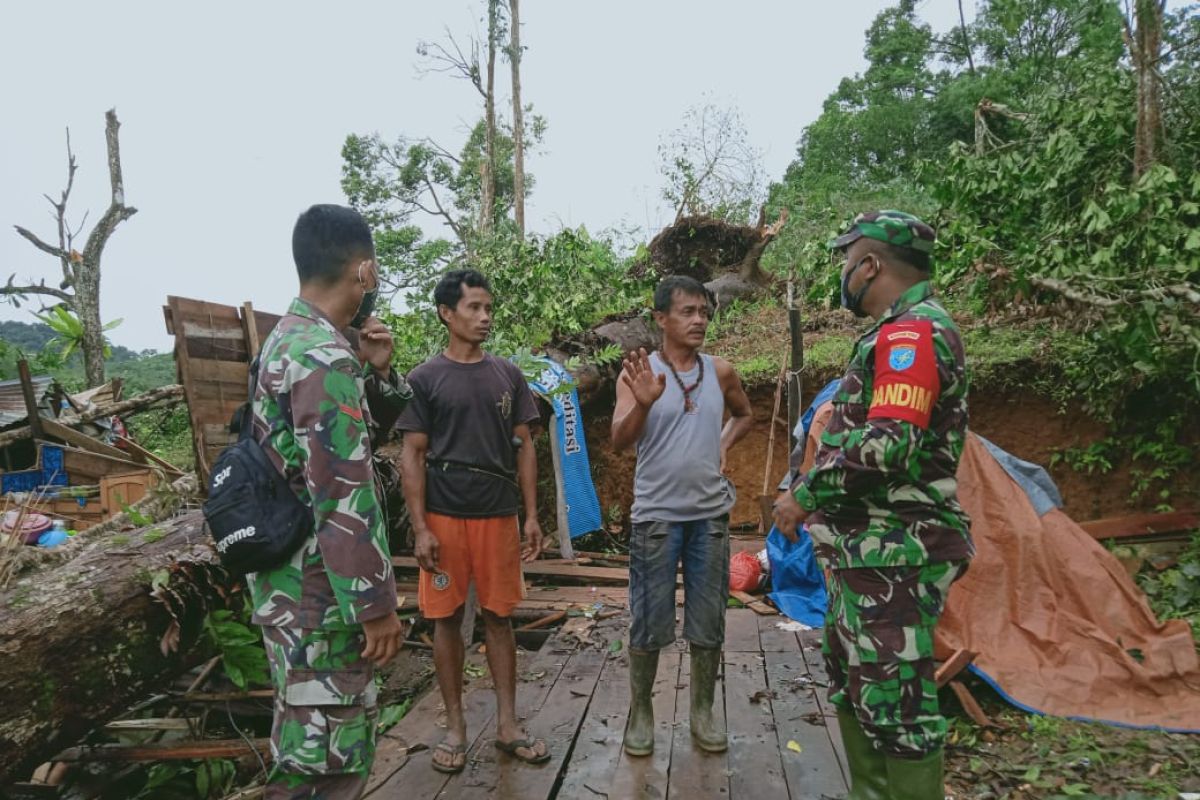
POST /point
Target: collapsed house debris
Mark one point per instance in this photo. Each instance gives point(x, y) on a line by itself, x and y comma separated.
point(66, 461)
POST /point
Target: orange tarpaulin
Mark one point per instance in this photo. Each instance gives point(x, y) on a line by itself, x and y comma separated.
point(1058, 625)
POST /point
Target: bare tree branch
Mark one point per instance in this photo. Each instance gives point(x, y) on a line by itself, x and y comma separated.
point(441, 60)
point(117, 211)
point(441, 211)
point(39, 244)
point(11, 290)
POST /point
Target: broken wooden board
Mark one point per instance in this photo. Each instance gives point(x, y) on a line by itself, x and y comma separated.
point(554, 568)
point(1143, 525)
point(753, 603)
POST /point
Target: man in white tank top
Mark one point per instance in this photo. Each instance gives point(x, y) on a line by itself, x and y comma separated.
point(671, 405)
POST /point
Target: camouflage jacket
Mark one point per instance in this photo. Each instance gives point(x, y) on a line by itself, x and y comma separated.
point(312, 421)
point(883, 489)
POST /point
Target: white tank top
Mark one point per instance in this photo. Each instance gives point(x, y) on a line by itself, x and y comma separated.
point(678, 477)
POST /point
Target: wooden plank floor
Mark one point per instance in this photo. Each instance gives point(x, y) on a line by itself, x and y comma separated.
point(575, 695)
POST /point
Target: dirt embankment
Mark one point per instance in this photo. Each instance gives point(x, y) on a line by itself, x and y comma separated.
point(1025, 424)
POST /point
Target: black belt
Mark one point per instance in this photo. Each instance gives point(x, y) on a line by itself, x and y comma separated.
point(444, 465)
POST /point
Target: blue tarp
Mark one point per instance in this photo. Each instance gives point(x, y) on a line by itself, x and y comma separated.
point(797, 582)
point(579, 493)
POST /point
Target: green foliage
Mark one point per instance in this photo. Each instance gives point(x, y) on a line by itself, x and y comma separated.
point(240, 645)
point(165, 432)
point(543, 288)
point(1174, 593)
point(392, 183)
point(68, 331)
point(392, 714)
point(174, 780)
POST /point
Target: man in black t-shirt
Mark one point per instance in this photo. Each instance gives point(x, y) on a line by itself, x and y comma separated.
point(468, 461)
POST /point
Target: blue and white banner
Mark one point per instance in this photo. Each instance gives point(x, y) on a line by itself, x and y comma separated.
point(579, 493)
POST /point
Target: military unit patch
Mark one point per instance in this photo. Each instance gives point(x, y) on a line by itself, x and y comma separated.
point(906, 377)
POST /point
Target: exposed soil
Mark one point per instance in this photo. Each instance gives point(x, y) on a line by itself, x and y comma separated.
point(1027, 425)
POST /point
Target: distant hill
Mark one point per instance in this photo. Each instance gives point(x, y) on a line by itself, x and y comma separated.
point(31, 337)
point(148, 369)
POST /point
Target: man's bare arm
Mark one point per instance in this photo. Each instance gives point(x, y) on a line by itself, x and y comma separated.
point(412, 479)
point(741, 417)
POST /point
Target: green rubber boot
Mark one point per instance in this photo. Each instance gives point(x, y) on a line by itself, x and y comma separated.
point(639, 728)
point(868, 766)
point(916, 779)
point(706, 663)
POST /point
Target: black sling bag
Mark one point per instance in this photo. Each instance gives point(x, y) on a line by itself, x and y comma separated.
point(255, 518)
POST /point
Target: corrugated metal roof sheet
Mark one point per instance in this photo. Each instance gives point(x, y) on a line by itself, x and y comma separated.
point(12, 401)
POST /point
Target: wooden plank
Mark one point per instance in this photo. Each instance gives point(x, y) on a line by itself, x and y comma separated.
point(554, 569)
point(82, 440)
point(82, 464)
point(1136, 525)
point(810, 648)
point(970, 704)
point(250, 328)
point(598, 745)
point(647, 778)
point(775, 640)
point(571, 596)
point(814, 771)
point(753, 603)
point(556, 718)
point(741, 631)
point(950, 668)
point(755, 762)
point(424, 725)
point(235, 373)
point(137, 449)
point(265, 322)
point(694, 772)
point(31, 408)
point(197, 308)
point(170, 751)
point(183, 367)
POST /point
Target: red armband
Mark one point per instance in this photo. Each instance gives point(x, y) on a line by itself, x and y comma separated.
point(906, 382)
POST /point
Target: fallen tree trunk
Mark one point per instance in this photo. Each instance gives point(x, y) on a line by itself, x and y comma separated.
point(82, 640)
point(162, 397)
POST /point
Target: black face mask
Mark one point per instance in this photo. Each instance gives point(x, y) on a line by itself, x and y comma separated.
point(854, 302)
point(365, 309)
point(366, 306)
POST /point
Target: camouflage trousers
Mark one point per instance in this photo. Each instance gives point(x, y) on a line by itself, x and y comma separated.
point(879, 652)
point(323, 736)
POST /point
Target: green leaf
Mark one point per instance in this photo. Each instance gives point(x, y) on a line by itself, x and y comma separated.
point(614, 646)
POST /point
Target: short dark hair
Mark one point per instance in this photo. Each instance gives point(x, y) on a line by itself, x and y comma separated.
point(449, 289)
point(325, 239)
point(664, 293)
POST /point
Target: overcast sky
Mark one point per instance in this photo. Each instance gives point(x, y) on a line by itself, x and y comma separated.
point(233, 116)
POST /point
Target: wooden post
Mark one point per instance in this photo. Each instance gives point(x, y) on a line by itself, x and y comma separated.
point(797, 357)
point(35, 421)
point(560, 497)
point(250, 326)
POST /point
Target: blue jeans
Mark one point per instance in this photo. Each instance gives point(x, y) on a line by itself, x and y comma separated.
point(655, 549)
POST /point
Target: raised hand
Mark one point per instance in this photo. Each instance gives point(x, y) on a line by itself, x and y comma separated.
point(375, 345)
point(637, 374)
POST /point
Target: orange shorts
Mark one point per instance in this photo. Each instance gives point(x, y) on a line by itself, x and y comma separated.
point(486, 550)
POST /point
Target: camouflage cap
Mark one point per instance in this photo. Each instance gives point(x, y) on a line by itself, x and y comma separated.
point(891, 227)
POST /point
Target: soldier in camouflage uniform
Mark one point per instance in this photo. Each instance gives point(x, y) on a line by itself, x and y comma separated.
point(880, 503)
point(328, 615)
